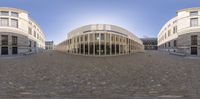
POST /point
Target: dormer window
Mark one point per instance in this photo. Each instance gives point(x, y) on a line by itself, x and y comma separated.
point(193, 13)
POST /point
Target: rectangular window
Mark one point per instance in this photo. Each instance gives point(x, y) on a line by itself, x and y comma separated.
point(97, 37)
point(4, 39)
point(193, 22)
point(169, 33)
point(14, 14)
point(175, 29)
point(113, 38)
point(193, 13)
point(4, 22)
point(194, 40)
point(35, 44)
point(37, 36)
point(14, 40)
point(175, 43)
point(102, 37)
point(30, 43)
point(169, 45)
point(81, 38)
point(29, 31)
point(4, 13)
point(34, 34)
point(77, 39)
point(91, 37)
point(14, 23)
point(108, 37)
point(86, 37)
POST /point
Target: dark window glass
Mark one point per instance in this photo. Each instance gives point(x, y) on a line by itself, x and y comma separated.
point(102, 37)
point(14, 40)
point(4, 39)
point(169, 45)
point(193, 13)
point(175, 43)
point(35, 44)
point(15, 14)
point(194, 40)
point(30, 43)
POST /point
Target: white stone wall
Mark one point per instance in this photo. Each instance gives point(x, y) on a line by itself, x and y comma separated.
point(182, 21)
point(24, 22)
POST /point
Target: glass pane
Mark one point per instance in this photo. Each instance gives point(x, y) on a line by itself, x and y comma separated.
point(14, 23)
point(194, 22)
point(15, 14)
point(4, 22)
point(97, 37)
point(102, 37)
point(4, 13)
point(4, 39)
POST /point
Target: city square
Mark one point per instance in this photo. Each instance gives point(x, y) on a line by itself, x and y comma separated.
point(99, 49)
point(56, 74)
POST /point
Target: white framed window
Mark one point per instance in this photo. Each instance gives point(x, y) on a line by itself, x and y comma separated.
point(4, 22)
point(175, 29)
point(4, 13)
point(193, 13)
point(29, 31)
point(34, 33)
point(193, 22)
point(14, 23)
point(15, 14)
point(169, 33)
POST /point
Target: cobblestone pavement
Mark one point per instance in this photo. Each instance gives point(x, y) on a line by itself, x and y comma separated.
point(56, 75)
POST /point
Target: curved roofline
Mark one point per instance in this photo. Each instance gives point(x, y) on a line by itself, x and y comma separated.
point(96, 24)
point(128, 32)
point(29, 17)
point(163, 27)
point(101, 24)
point(188, 9)
point(11, 8)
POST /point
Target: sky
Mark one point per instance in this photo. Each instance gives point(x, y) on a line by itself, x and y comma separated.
point(144, 18)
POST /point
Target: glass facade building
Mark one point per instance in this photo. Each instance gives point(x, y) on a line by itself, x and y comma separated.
point(101, 39)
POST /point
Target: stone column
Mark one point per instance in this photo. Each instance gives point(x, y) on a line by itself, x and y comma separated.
point(99, 43)
point(88, 43)
point(84, 44)
point(105, 39)
point(115, 43)
point(94, 43)
point(110, 43)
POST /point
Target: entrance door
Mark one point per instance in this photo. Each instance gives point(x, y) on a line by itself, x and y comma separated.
point(14, 50)
point(4, 50)
point(193, 50)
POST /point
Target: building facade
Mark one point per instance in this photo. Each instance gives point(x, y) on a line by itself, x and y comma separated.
point(101, 40)
point(182, 33)
point(49, 45)
point(19, 33)
point(150, 43)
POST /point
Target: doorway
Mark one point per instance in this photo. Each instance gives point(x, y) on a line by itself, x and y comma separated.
point(4, 50)
point(193, 50)
point(14, 50)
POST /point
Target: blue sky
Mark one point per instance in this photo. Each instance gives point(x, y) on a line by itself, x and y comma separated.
point(142, 17)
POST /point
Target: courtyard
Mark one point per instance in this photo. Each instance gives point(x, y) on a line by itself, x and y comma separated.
point(57, 75)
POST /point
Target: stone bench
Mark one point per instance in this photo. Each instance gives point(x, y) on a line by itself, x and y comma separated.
point(27, 53)
point(177, 53)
